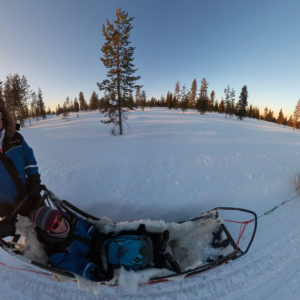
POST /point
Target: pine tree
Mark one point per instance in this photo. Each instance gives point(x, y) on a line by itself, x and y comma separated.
point(94, 101)
point(211, 101)
point(269, 115)
point(232, 102)
point(256, 113)
point(176, 99)
point(169, 100)
point(131, 101)
point(243, 103)
point(66, 108)
point(193, 94)
point(297, 114)
point(221, 108)
point(138, 96)
point(266, 111)
point(216, 106)
point(184, 99)
point(15, 93)
point(118, 59)
point(76, 105)
point(202, 103)
point(229, 101)
point(177, 90)
point(290, 121)
point(143, 99)
point(280, 118)
point(34, 106)
point(41, 104)
point(250, 112)
point(82, 103)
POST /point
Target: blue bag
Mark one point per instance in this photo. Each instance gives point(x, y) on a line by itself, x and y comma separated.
point(130, 251)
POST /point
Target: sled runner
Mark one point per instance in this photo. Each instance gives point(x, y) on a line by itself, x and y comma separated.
point(191, 247)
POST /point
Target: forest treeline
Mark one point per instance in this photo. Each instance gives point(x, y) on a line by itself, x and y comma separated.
point(25, 103)
point(184, 99)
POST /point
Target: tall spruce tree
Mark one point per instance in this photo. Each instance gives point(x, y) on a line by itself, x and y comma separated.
point(76, 105)
point(202, 103)
point(82, 102)
point(243, 103)
point(193, 94)
point(94, 101)
point(138, 96)
point(290, 121)
point(169, 100)
point(176, 98)
point(229, 101)
point(211, 101)
point(144, 99)
point(118, 59)
point(184, 105)
point(41, 104)
point(280, 118)
point(34, 106)
point(297, 114)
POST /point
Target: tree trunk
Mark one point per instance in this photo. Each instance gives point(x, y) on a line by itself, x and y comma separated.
point(119, 93)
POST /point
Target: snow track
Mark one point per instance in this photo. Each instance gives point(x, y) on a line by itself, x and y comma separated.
point(173, 166)
point(266, 272)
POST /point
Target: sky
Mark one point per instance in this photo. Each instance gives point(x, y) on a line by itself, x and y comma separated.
point(56, 45)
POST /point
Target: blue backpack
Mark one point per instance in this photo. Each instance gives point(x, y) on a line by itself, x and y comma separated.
point(130, 251)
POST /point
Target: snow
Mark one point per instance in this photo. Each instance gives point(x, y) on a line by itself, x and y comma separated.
point(173, 166)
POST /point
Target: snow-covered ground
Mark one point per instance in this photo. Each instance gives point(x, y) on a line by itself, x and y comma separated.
point(173, 166)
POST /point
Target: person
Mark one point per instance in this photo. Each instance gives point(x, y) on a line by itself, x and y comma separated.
point(18, 172)
point(74, 244)
point(70, 243)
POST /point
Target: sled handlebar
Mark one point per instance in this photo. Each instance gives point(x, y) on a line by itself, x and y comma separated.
point(67, 206)
point(254, 219)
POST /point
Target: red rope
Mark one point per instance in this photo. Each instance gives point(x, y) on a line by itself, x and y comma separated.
point(24, 269)
point(239, 222)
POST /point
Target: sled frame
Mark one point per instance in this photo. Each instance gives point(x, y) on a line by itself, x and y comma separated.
point(52, 200)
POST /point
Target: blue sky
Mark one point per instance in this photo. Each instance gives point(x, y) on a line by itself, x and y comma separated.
point(56, 45)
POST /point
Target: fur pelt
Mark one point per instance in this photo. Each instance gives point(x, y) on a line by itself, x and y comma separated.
point(8, 121)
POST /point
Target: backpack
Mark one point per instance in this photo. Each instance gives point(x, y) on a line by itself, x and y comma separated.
point(133, 252)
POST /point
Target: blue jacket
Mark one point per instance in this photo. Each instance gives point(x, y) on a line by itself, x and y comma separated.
point(24, 161)
point(72, 255)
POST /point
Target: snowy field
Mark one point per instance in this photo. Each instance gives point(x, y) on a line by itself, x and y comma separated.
point(173, 166)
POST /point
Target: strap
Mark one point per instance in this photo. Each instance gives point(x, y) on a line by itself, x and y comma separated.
point(13, 172)
point(82, 239)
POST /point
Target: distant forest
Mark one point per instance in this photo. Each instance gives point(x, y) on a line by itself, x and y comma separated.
point(25, 103)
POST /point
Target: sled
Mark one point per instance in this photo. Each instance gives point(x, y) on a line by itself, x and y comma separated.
point(230, 239)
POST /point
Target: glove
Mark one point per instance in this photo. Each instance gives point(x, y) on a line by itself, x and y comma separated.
point(34, 189)
point(34, 186)
point(98, 275)
point(7, 228)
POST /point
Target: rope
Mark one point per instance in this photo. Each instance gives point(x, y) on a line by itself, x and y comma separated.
point(24, 269)
point(270, 211)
